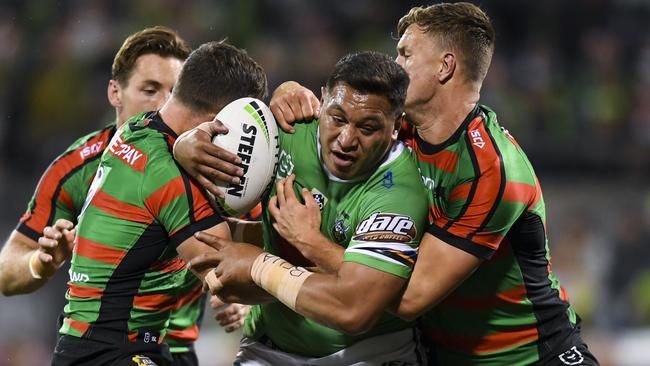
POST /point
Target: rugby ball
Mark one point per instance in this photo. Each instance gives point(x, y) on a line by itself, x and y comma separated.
point(253, 136)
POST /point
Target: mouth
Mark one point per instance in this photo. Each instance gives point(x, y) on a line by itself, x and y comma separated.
point(342, 159)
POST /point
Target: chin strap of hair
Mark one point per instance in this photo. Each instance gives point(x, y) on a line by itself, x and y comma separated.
point(279, 278)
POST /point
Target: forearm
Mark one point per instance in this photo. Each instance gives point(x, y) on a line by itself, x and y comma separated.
point(325, 254)
point(364, 292)
point(15, 276)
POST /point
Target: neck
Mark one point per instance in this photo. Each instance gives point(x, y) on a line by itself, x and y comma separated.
point(180, 118)
point(441, 116)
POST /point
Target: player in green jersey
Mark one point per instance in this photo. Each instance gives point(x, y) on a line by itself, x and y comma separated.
point(348, 168)
point(124, 269)
point(484, 260)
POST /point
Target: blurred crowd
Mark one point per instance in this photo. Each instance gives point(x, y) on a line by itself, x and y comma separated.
point(569, 80)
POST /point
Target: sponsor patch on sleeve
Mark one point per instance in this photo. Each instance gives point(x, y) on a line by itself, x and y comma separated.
point(127, 153)
point(387, 237)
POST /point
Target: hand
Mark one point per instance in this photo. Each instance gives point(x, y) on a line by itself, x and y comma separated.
point(55, 247)
point(232, 316)
point(297, 223)
point(233, 262)
point(292, 102)
point(205, 161)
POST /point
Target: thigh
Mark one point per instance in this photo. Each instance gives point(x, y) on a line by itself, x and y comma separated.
point(75, 351)
point(185, 358)
point(577, 355)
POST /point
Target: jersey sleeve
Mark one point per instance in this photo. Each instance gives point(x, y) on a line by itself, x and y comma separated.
point(176, 201)
point(482, 204)
point(64, 184)
point(389, 229)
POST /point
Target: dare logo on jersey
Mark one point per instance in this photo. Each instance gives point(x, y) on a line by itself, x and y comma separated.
point(386, 227)
point(127, 153)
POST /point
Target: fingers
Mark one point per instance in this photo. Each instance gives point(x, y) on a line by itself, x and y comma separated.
point(51, 232)
point(44, 257)
point(289, 194)
point(308, 198)
point(47, 243)
point(210, 187)
point(204, 262)
point(315, 106)
point(232, 317)
point(214, 284)
point(62, 224)
point(216, 127)
point(279, 192)
point(209, 239)
point(273, 208)
point(215, 302)
point(283, 116)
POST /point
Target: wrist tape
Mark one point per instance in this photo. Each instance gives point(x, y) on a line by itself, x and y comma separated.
point(279, 278)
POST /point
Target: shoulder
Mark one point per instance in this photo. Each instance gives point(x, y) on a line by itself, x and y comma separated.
point(397, 184)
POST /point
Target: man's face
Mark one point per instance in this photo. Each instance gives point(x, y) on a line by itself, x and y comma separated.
point(148, 88)
point(356, 131)
point(417, 53)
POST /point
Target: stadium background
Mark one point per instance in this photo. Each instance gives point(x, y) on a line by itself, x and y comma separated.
point(569, 79)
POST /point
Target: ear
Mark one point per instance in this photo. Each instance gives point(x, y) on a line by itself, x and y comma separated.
point(399, 121)
point(114, 93)
point(447, 67)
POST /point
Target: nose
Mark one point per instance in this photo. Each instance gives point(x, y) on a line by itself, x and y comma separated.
point(348, 139)
point(163, 97)
point(398, 60)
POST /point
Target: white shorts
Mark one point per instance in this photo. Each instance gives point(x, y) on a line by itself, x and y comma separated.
point(399, 349)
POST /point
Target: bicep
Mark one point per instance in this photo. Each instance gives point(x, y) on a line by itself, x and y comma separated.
point(439, 269)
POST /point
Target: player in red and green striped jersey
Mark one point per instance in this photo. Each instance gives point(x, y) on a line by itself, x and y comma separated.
point(482, 281)
point(125, 270)
point(144, 71)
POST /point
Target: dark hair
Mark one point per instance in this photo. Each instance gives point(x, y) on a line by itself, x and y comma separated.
point(372, 73)
point(158, 40)
point(463, 27)
point(217, 73)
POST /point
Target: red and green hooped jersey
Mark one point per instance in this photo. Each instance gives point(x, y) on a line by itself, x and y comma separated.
point(486, 200)
point(378, 219)
point(61, 192)
point(125, 274)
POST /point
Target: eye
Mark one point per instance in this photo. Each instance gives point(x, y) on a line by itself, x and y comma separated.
point(368, 130)
point(338, 119)
point(149, 91)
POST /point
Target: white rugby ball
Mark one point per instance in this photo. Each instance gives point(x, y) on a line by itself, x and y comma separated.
point(253, 136)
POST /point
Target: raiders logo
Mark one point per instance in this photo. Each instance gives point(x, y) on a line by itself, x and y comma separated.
point(572, 357)
point(320, 198)
point(386, 227)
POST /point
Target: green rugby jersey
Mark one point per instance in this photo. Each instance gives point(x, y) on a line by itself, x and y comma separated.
point(486, 200)
point(378, 219)
point(125, 272)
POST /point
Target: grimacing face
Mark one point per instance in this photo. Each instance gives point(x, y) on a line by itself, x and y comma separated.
point(148, 87)
point(356, 131)
point(419, 54)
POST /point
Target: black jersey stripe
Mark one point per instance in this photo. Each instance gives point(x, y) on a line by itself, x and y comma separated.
point(502, 187)
point(121, 288)
point(528, 240)
point(472, 189)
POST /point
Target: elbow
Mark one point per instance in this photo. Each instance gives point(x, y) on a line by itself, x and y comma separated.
point(5, 287)
point(409, 310)
point(354, 323)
